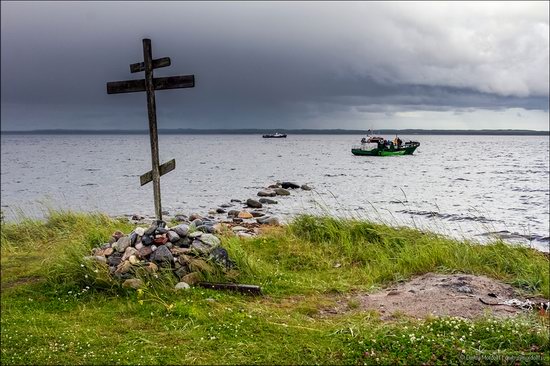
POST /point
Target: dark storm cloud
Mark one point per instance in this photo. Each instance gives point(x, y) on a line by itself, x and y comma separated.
point(268, 64)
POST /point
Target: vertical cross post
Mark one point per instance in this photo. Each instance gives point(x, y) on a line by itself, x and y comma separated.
point(153, 134)
point(149, 85)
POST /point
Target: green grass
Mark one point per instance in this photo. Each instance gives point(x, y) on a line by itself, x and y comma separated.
point(58, 309)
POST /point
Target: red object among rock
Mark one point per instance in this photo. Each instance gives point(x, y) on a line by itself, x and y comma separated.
point(161, 239)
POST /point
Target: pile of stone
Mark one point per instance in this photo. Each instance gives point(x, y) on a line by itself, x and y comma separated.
point(187, 250)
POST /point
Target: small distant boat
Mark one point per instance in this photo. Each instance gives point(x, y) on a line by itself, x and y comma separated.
point(378, 146)
point(275, 135)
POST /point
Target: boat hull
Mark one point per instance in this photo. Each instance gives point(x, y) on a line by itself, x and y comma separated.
point(384, 152)
point(283, 136)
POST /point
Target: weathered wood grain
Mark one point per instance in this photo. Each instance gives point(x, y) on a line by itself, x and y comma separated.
point(163, 169)
point(157, 64)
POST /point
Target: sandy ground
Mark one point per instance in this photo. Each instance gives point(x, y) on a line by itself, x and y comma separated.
point(459, 295)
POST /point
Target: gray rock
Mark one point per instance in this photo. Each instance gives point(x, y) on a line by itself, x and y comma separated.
point(129, 252)
point(239, 228)
point(184, 242)
point(123, 243)
point(161, 230)
point(153, 248)
point(282, 192)
point(194, 216)
point(162, 256)
point(287, 185)
point(133, 238)
point(197, 222)
point(182, 271)
point(114, 259)
point(180, 218)
point(195, 234)
point(268, 220)
point(182, 286)
point(181, 230)
point(233, 213)
point(236, 200)
point(160, 224)
point(137, 217)
point(123, 267)
point(220, 210)
point(225, 205)
point(253, 203)
point(210, 239)
point(173, 236)
point(268, 201)
point(146, 240)
point(132, 283)
point(202, 248)
point(276, 185)
point(139, 230)
point(257, 213)
point(207, 229)
point(221, 256)
point(150, 230)
point(237, 220)
point(139, 246)
point(267, 193)
point(305, 187)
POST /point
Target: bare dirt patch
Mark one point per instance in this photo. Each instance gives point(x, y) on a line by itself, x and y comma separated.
point(459, 295)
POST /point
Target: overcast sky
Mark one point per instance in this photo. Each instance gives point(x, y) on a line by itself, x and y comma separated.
point(279, 64)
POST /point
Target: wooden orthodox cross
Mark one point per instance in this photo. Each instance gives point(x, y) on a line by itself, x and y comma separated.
point(149, 85)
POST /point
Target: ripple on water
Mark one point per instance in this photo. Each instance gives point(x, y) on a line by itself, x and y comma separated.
point(506, 190)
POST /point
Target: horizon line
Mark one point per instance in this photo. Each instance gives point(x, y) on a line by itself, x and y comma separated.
point(265, 130)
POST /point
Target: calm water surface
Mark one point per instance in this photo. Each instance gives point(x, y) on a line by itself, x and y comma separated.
point(464, 186)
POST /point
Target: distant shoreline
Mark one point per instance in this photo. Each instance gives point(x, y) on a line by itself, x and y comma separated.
point(287, 131)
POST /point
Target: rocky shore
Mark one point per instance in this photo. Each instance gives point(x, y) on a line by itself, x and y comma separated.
point(188, 245)
point(242, 216)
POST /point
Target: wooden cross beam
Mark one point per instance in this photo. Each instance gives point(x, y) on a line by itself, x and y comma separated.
point(149, 85)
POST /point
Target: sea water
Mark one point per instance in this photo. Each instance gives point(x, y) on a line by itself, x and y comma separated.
point(473, 187)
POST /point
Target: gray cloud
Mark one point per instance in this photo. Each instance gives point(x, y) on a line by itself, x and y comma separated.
point(270, 63)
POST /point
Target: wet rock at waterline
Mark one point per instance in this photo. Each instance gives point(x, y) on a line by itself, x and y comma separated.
point(282, 192)
point(268, 220)
point(245, 215)
point(253, 203)
point(291, 185)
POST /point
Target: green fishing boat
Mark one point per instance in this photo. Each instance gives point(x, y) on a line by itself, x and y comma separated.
point(378, 146)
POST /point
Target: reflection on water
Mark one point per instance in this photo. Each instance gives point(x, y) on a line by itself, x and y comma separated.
point(470, 186)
